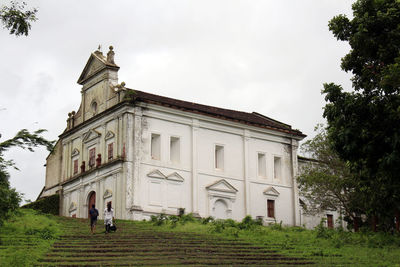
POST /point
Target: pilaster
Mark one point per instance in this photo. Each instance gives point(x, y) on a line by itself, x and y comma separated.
point(246, 139)
point(195, 198)
point(136, 147)
point(296, 204)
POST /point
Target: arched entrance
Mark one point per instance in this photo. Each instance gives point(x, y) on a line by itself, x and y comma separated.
point(91, 201)
point(220, 209)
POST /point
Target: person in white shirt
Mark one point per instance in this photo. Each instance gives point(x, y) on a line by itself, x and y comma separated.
point(108, 217)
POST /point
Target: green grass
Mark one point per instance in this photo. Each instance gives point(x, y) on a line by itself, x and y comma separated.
point(32, 238)
point(26, 237)
point(323, 246)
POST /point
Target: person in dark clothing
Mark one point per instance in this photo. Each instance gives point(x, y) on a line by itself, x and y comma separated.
point(93, 212)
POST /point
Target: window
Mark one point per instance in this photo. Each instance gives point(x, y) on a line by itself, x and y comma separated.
point(277, 167)
point(271, 208)
point(219, 157)
point(75, 166)
point(155, 146)
point(262, 168)
point(174, 149)
point(92, 157)
point(110, 151)
point(329, 220)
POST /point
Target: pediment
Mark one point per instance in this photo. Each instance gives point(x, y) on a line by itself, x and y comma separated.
point(109, 135)
point(222, 186)
point(107, 193)
point(156, 174)
point(175, 177)
point(75, 153)
point(90, 135)
point(96, 63)
point(270, 191)
point(72, 206)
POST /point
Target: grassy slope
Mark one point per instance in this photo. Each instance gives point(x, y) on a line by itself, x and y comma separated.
point(33, 234)
point(26, 237)
point(324, 247)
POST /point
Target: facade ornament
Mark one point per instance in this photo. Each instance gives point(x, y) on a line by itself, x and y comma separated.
point(70, 120)
point(110, 55)
point(119, 87)
point(83, 167)
point(98, 160)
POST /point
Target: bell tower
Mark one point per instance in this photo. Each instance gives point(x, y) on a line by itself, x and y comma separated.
point(98, 79)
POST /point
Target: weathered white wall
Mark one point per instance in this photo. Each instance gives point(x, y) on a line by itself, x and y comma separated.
point(311, 221)
point(198, 138)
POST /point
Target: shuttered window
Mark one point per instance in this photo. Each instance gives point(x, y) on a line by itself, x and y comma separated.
point(271, 208)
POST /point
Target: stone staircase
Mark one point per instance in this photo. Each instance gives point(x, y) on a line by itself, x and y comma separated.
point(141, 244)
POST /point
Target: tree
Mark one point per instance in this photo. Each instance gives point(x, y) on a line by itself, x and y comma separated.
point(326, 182)
point(364, 124)
point(9, 197)
point(16, 19)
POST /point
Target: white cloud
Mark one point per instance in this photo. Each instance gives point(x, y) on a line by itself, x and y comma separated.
point(266, 56)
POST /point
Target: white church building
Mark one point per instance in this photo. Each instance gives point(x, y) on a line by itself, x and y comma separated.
point(149, 154)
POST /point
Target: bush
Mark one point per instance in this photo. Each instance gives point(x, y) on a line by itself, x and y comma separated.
point(45, 233)
point(322, 231)
point(276, 226)
point(184, 218)
point(49, 205)
point(174, 220)
point(159, 220)
point(217, 226)
point(207, 220)
point(248, 223)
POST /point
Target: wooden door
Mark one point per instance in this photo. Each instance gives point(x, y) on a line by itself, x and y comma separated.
point(330, 221)
point(92, 200)
point(271, 208)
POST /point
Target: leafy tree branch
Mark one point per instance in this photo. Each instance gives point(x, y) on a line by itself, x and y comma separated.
point(16, 19)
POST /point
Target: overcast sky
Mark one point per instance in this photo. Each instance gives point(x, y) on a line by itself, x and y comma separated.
point(266, 56)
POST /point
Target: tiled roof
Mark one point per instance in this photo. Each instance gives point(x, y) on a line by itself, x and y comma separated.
point(254, 118)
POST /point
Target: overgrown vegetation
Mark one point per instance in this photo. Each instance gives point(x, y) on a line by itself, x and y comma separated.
point(323, 245)
point(326, 182)
point(26, 236)
point(364, 124)
point(9, 197)
point(49, 205)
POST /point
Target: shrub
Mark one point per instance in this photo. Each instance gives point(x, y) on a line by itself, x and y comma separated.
point(207, 220)
point(49, 205)
point(187, 218)
point(230, 223)
point(45, 233)
point(248, 223)
point(174, 220)
point(276, 226)
point(322, 231)
point(217, 226)
point(159, 220)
